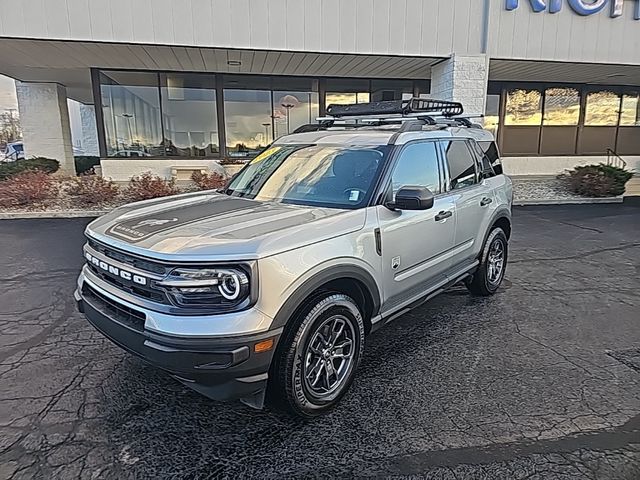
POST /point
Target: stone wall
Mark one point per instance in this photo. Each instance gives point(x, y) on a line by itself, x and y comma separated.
point(462, 78)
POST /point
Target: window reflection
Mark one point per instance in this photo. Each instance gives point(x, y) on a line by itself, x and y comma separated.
point(417, 165)
point(131, 110)
point(602, 109)
point(189, 115)
point(491, 114)
point(335, 98)
point(347, 91)
point(462, 164)
point(561, 106)
point(248, 121)
point(292, 110)
point(630, 114)
point(524, 107)
point(325, 175)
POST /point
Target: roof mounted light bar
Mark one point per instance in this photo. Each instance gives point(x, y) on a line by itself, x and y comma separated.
point(409, 107)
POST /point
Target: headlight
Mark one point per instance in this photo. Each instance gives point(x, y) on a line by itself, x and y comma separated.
point(207, 287)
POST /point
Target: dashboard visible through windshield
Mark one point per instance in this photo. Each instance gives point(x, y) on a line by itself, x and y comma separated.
point(336, 176)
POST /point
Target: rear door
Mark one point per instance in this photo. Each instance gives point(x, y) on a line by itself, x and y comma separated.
point(415, 244)
point(474, 199)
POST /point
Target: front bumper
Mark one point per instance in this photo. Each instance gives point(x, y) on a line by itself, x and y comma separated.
point(222, 368)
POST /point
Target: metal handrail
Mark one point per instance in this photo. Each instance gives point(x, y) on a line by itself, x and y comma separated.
point(613, 158)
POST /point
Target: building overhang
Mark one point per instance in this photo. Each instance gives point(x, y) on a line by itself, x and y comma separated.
point(69, 62)
point(563, 72)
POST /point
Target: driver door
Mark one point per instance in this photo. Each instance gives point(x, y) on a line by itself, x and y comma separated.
point(416, 243)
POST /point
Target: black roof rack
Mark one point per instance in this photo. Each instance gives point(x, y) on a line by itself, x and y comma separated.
point(397, 107)
point(412, 115)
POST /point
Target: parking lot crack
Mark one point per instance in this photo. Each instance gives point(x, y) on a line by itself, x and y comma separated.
point(577, 256)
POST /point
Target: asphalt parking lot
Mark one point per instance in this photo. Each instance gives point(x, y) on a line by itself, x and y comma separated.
point(539, 381)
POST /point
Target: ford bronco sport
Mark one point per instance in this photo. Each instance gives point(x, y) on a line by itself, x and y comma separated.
point(270, 286)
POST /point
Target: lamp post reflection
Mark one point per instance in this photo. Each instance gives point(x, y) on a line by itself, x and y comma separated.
point(288, 106)
point(266, 132)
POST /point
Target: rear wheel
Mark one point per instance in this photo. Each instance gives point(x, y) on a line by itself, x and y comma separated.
point(319, 355)
point(493, 264)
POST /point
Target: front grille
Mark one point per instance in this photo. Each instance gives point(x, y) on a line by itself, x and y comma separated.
point(112, 309)
point(149, 291)
point(122, 257)
point(143, 291)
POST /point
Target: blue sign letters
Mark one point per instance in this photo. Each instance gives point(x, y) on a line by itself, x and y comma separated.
point(582, 7)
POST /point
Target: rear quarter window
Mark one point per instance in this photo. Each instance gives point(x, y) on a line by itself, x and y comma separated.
point(491, 156)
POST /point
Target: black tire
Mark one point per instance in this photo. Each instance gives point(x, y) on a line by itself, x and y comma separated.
point(291, 387)
point(484, 282)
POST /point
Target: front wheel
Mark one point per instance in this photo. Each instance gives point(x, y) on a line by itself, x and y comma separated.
point(319, 355)
point(493, 264)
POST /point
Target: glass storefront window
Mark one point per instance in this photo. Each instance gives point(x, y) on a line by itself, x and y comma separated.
point(189, 115)
point(131, 111)
point(335, 98)
point(382, 90)
point(630, 114)
point(423, 87)
point(292, 110)
point(561, 106)
point(345, 91)
point(524, 107)
point(491, 114)
point(247, 116)
point(602, 109)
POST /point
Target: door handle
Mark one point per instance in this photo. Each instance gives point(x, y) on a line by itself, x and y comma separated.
point(443, 215)
point(485, 201)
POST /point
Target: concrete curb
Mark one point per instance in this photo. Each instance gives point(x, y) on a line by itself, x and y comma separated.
point(60, 214)
point(568, 201)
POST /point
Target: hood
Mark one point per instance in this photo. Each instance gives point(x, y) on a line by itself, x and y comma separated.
point(215, 226)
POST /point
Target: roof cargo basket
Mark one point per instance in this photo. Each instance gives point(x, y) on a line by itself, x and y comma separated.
point(411, 107)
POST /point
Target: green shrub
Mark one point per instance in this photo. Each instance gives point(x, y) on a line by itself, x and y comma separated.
point(598, 180)
point(85, 163)
point(46, 165)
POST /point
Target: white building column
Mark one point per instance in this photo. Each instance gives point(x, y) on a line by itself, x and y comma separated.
point(44, 117)
point(89, 131)
point(462, 78)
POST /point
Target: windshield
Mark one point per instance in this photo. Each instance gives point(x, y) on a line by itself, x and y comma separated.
point(322, 175)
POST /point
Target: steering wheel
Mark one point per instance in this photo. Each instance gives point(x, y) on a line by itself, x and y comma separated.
point(349, 193)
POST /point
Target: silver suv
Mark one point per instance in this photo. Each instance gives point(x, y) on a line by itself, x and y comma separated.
point(271, 286)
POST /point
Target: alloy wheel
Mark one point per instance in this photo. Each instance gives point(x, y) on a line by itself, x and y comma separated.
point(329, 356)
point(495, 261)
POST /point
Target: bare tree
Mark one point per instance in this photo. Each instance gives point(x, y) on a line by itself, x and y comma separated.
point(10, 130)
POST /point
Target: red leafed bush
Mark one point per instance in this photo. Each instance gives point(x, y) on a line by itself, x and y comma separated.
point(92, 190)
point(208, 181)
point(27, 188)
point(147, 185)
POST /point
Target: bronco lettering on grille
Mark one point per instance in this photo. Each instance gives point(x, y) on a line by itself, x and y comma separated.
point(115, 271)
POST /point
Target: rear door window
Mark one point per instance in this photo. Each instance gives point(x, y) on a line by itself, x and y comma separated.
point(463, 171)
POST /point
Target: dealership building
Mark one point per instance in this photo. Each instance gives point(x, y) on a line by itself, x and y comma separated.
point(167, 85)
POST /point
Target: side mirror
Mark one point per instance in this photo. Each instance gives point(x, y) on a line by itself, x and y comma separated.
point(413, 198)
